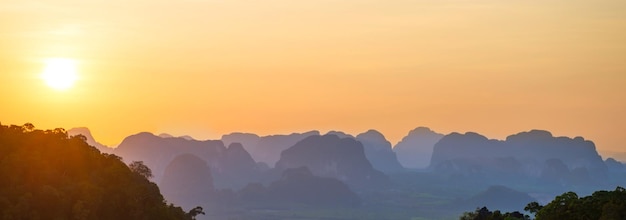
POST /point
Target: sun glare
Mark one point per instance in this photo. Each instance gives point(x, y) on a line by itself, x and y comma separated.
point(59, 73)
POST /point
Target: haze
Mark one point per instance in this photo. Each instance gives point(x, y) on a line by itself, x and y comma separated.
point(208, 68)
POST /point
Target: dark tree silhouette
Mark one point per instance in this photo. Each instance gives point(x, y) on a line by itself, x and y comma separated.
point(484, 214)
point(533, 207)
point(195, 212)
point(599, 205)
point(48, 175)
point(602, 205)
point(139, 168)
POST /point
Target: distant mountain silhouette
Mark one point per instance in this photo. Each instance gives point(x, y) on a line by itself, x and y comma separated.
point(616, 155)
point(237, 166)
point(497, 198)
point(165, 135)
point(315, 177)
point(535, 154)
point(187, 181)
point(378, 151)
point(299, 185)
point(340, 134)
point(615, 166)
point(415, 150)
point(331, 156)
point(617, 171)
point(187, 137)
point(90, 140)
point(231, 168)
point(266, 149)
point(157, 152)
point(247, 140)
point(555, 172)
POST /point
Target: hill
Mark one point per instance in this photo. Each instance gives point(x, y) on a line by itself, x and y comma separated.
point(187, 181)
point(300, 186)
point(556, 161)
point(331, 156)
point(378, 151)
point(266, 149)
point(48, 175)
point(90, 140)
point(415, 150)
point(230, 167)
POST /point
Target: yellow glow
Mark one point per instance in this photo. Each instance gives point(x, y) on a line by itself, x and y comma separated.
point(60, 73)
point(206, 68)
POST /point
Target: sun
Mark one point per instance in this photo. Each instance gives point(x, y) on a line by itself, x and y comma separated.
point(59, 73)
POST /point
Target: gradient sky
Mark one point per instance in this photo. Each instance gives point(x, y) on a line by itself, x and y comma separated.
point(207, 68)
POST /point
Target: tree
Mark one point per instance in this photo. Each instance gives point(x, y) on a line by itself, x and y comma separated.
point(600, 205)
point(195, 211)
point(45, 174)
point(484, 214)
point(565, 206)
point(533, 207)
point(139, 168)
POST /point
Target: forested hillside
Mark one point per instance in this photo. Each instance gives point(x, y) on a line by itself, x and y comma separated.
point(48, 175)
point(602, 205)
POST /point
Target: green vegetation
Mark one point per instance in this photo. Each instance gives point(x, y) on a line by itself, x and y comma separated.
point(48, 175)
point(484, 214)
point(601, 205)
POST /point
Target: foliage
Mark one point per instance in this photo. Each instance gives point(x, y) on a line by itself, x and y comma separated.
point(48, 175)
point(533, 207)
point(599, 205)
point(484, 214)
point(195, 211)
point(141, 169)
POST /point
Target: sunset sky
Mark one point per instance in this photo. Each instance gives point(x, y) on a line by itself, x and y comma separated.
point(207, 68)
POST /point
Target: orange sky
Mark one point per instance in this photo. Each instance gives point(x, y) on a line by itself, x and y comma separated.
point(206, 68)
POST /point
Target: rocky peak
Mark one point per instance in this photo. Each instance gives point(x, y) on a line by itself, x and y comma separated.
point(415, 150)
